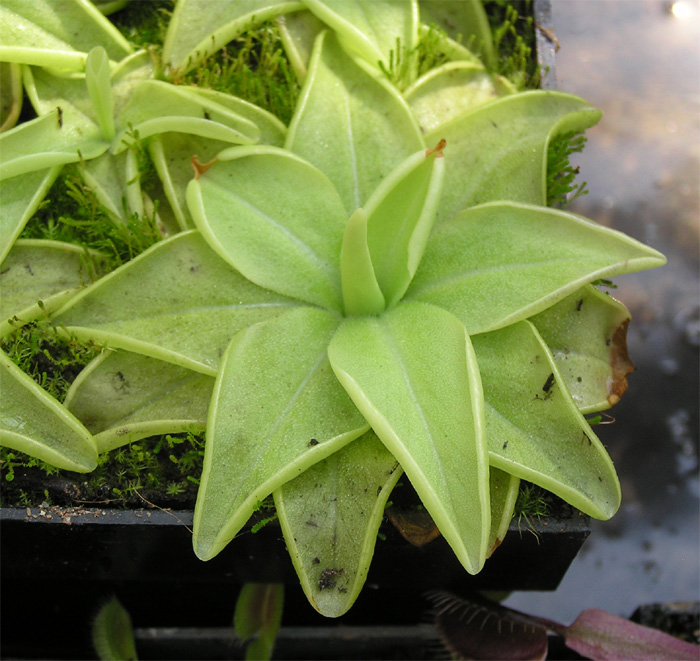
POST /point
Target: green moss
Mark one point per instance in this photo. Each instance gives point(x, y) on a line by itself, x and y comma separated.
point(561, 175)
point(514, 39)
point(533, 503)
point(144, 23)
point(408, 65)
point(253, 67)
point(71, 212)
point(157, 471)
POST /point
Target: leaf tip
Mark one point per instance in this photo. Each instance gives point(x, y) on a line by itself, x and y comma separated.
point(437, 150)
point(201, 168)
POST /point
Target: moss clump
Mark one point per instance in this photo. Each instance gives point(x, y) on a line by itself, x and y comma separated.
point(253, 67)
point(144, 24)
point(514, 40)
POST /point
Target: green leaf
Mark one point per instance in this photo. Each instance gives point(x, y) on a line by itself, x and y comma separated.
point(503, 489)
point(159, 107)
point(276, 410)
point(48, 90)
point(465, 21)
point(12, 94)
point(498, 263)
point(272, 130)
point(127, 75)
point(199, 28)
point(413, 375)
point(288, 241)
point(373, 31)
point(361, 292)
point(353, 127)
point(400, 216)
point(298, 32)
point(534, 429)
point(33, 422)
point(586, 333)
point(447, 92)
point(55, 139)
point(122, 397)
point(258, 616)
point(99, 85)
point(112, 633)
point(37, 277)
point(21, 197)
point(185, 315)
point(498, 151)
point(43, 33)
point(330, 516)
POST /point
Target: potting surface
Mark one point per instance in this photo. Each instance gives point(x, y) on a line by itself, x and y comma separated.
point(640, 63)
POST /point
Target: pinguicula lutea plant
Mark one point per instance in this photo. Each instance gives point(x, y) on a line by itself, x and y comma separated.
point(378, 288)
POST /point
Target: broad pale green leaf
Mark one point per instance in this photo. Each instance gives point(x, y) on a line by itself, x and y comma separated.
point(99, 86)
point(534, 430)
point(587, 335)
point(54, 139)
point(330, 516)
point(499, 263)
point(379, 31)
point(33, 422)
point(176, 301)
point(463, 20)
point(159, 107)
point(276, 410)
point(361, 291)
point(352, 126)
point(122, 397)
point(400, 214)
point(499, 150)
point(54, 34)
point(12, 94)
point(38, 276)
point(449, 91)
point(414, 377)
point(503, 488)
point(21, 197)
point(199, 28)
point(288, 241)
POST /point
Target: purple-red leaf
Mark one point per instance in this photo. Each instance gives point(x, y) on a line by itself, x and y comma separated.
point(599, 635)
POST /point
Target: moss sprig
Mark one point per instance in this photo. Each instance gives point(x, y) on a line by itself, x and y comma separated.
point(561, 175)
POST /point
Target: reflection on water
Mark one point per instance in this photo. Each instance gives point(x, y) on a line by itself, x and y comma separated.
point(639, 61)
